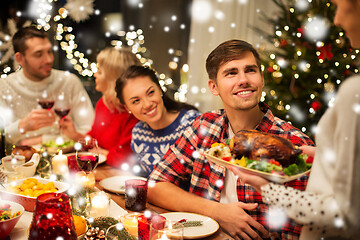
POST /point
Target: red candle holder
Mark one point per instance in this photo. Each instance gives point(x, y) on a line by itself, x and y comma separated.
point(52, 218)
point(135, 194)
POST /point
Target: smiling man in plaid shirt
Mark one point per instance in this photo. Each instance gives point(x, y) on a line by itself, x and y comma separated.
point(235, 75)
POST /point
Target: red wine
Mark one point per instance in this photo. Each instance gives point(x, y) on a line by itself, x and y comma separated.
point(61, 112)
point(87, 163)
point(46, 104)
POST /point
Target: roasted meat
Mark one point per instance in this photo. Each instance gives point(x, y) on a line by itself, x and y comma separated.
point(257, 145)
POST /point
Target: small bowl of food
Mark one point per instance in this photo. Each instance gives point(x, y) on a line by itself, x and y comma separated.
point(24, 150)
point(10, 213)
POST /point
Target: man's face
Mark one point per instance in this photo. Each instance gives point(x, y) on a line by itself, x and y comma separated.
point(37, 61)
point(239, 83)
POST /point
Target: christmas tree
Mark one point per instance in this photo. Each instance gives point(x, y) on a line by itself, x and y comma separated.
point(310, 59)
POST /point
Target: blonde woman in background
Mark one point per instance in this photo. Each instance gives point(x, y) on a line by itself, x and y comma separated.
point(112, 125)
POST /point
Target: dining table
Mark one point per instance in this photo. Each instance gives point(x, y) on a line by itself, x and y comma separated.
point(117, 206)
point(104, 171)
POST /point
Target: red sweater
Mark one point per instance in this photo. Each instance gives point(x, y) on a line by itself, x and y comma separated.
point(113, 132)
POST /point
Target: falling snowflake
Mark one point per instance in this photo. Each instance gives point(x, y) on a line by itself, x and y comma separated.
point(276, 217)
point(201, 11)
point(317, 28)
point(80, 10)
point(301, 5)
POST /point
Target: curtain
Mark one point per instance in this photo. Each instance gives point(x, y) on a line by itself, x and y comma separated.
point(229, 19)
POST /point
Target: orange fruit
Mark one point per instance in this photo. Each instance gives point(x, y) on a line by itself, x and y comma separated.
point(80, 225)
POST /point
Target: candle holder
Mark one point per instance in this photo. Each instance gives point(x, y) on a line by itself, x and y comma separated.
point(135, 194)
point(52, 218)
point(60, 164)
point(166, 229)
point(130, 223)
point(99, 204)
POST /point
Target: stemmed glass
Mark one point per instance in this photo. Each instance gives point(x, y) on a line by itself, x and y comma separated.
point(62, 105)
point(87, 158)
point(46, 100)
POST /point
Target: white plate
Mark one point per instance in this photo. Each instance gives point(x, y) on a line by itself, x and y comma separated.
point(102, 158)
point(209, 227)
point(116, 184)
point(271, 177)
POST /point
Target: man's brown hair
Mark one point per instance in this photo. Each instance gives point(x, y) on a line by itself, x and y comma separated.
point(23, 34)
point(228, 51)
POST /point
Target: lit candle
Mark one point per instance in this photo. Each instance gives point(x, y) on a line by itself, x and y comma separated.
point(60, 164)
point(100, 203)
point(130, 223)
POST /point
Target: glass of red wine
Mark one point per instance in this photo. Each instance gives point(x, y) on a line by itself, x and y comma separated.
point(46, 100)
point(62, 105)
point(87, 157)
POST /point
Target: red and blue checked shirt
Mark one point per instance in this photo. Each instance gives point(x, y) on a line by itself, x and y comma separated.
point(184, 162)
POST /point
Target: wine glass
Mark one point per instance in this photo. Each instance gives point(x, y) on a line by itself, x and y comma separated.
point(46, 100)
point(62, 105)
point(87, 158)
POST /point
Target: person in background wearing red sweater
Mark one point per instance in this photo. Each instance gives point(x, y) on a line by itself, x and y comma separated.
point(112, 125)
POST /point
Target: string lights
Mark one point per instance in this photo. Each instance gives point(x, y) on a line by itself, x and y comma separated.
point(133, 39)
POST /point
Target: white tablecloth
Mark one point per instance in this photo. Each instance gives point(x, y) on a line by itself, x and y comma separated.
point(20, 230)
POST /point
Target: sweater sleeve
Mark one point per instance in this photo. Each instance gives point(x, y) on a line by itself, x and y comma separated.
point(121, 152)
point(305, 208)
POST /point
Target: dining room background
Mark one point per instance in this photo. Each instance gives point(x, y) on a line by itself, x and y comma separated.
point(305, 57)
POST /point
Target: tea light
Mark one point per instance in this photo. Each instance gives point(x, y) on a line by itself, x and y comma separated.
point(85, 180)
point(100, 204)
point(60, 164)
point(130, 223)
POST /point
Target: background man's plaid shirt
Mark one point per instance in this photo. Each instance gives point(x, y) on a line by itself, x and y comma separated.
point(185, 162)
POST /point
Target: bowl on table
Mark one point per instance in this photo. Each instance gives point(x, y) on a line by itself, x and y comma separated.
point(6, 226)
point(28, 201)
point(24, 150)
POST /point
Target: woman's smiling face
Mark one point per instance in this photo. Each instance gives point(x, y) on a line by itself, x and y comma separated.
point(144, 99)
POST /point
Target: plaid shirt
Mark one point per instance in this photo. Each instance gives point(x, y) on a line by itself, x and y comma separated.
point(185, 162)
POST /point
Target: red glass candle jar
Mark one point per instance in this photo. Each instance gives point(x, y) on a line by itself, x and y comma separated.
point(135, 194)
point(52, 218)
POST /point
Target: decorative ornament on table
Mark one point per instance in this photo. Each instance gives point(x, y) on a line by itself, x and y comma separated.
point(80, 10)
point(99, 227)
point(95, 233)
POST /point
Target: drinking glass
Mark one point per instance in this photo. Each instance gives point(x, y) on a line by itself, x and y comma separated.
point(62, 105)
point(87, 158)
point(52, 218)
point(46, 100)
point(166, 229)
